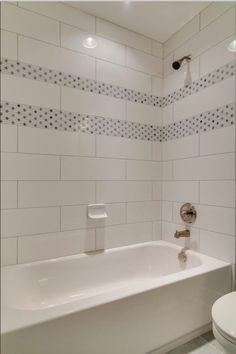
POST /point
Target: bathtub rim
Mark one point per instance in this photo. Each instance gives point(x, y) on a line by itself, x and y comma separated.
point(17, 319)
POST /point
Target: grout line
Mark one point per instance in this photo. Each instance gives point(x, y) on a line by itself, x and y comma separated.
point(17, 194)
point(17, 47)
point(60, 168)
point(144, 201)
point(59, 33)
point(199, 192)
point(17, 249)
point(60, 219)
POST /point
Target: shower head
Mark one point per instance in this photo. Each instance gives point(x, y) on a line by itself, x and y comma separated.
point(177, 64)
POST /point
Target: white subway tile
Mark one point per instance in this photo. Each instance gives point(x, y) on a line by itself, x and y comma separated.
point(40, 247)
point(216, 32)
point(43, 141)
point(168, 231)
point(16, 222)
point(167, 212)
point(109, 192)
point(39, 194)
point(27, 23)
point(80, 168)
point(217, 95)
point(143, 211)
point(108, 146)
point(122, 76)
point(29, 167)
point(123, 235)
point(8, 138)
point(167, 170)
point(157, 86)
point(8, 195)
point(144, 170)
point(181, 148)
point(221, 193)
point(167, 65)
point(62, 13)
point(216, 57)
point(156, 151)
point(72, 38)
point(156, 230)
point(205, 168)
point(76, 217)
point(56, 58)
point(91, 103)
point(157, 49)
point(8, 251)
point(217, 245)
point(138, 112)
point(168, 115)
point(27, 91)
point(218, 219)
point(122, 35)
point(187, 191)
point(144, 62)
point(209, 141)
point(8, 45)
point(214, 10)
point(157, 190)
point(186, 32)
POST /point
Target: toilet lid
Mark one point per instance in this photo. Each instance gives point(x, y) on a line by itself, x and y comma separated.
point(224, 315)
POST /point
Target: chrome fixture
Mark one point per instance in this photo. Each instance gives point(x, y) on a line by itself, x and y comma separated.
point(182, 256)
point(177, 64)
point(188, 213)
point(184, 233)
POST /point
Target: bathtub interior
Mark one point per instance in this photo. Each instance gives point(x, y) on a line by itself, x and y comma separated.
point(52, 283)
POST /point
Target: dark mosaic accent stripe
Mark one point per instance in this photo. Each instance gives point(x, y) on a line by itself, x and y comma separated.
point(46, 118)
point(204, 82)
point(216, 118)
point(34, 72)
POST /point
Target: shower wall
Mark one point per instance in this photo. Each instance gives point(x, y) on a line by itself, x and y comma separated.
point(199, 145)
point(79, 127)
point(114, 125)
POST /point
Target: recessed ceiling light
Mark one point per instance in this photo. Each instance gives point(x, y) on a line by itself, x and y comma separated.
point(232, 46)
point(90, 43)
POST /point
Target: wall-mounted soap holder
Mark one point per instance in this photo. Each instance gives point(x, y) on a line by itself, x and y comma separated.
point(97, 211)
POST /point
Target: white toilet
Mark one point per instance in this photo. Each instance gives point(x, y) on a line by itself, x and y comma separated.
point(224, 322)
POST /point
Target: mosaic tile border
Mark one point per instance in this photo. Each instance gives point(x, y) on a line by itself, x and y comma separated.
point(219, 117)
point(34, 72)
point(46, 118)
point(204, 82)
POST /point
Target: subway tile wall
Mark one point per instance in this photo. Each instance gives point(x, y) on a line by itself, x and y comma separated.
point(50, 175)
point(200, 168)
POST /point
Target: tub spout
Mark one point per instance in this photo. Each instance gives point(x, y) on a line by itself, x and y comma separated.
point(184, 233)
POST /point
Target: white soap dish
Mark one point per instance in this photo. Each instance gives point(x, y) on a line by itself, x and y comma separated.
point(97, 211)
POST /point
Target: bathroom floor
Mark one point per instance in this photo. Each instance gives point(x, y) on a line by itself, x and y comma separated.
point(205, 344)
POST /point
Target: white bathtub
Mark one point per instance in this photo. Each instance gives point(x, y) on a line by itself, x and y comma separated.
point(128, 300)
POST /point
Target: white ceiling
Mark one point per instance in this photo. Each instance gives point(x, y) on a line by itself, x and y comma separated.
point(158, 20)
